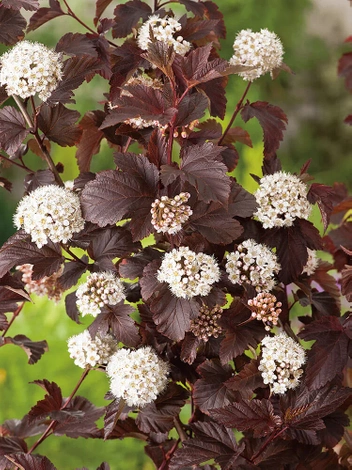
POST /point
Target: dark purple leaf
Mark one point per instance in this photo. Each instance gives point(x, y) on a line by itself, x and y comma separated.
point(215, 91)
point(346, 282)
point(33, 349)
point(127, 17)
point(157, 149)
point(76, 44)
point(3, 321)
point(43, 15)
point(33, 181)
point(89, 144)
point(133, 266)
point(237, 134)
point(189, 348)
point(242, 203)
point(230, 157)
point(195, 7)
point(208, 130)
point(71, 307)
point(335, 424)
point(200, 30)
point(345, 69)
point(213, 13)
point(104, 466)
point(112, 414)
point(21, 428)
point(10, 445)
point(100, 7)
point(31, 462)
point(58, 125)
point(192, 107)
point(161, 55)
point(13, 129)
point(51, 402)
point(12, 25)
point(18, 4)
point(73, 270)
point(246, 381)
point(156, 452)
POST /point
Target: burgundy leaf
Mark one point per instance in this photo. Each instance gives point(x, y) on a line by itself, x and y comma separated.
point(348, 120)
point(51, 402)
point(196, 8)
point(345, 69)
point(3, 321)
point(335, 424)
point(127, 17)
point(230, 157)
point(12, 25)
point(18, 4)
point(112, 414)
point(326, 197)
point(157, 452)
point(208, 130)
point(10, 445)
point(33, 181)
point(199, 30)
point(213, 13)
point(157, 148)
point(58, 125)
point(133, 266)
point(192, 107)
point(21, 428)
point(327, 281)
point(33, 349)
point(43, 15)
point(237, 134)
point(161, 55)
point(31, 462)
point(76, 44)
point(89, 144)
point(216, 93)
point(242, 203)
point(189, 348)
point(100, 7)
point(104, 466)
point(73, 270)
point(346, 282)
point(71, 307)
point(246, 381)
point(272, 119)
point(13, 129)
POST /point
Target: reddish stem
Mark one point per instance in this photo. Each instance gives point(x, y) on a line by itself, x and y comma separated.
point(23, 167)
point(14, 316)
point(267, 442)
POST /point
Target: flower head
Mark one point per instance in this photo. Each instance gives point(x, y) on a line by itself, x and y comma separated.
point(266, 308)
point(281, 199)
point(100, 289)
point(188, 273)
point(30, 68)
point(253, 263)
point(206, 324)
point(164, 30)
point(169, 214)
point(86, 351)
point(261, 50)
point(281, 362)
point(49, 213)
point(137, 377)
point(312, 263)
point(47, 286)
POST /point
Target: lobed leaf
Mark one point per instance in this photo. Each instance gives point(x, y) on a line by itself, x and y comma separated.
point(89, 144)
point(12, 25)
point(76, 44)
point(33, 349)
point(58, 124)
point(127, 17)
point(247, 380)
point(18, 4)
point(43, 15)
point(31, 462)
point(13, 128)
point(51, 402)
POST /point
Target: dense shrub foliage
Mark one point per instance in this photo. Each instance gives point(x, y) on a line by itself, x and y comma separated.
point(202, 296)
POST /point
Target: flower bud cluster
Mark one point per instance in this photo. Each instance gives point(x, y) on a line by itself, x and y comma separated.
point(47, 286)
point(281, 199)
point(188, 273)
point(312, 263)
point(281, 362)
point(49, 213)
point(253, 263)
point(266, 308)
point(30, 68)
point(206, 324)
point(86, 351)
point(100, 289)
point(169, 214)
point(137, 377)
point(164, 30)
point(261, 50)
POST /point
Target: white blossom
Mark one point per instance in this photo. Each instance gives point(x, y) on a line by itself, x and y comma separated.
point(164, 30)
point(86, 351)
point(169, 214)
point(47, 286)
point(30, 68)
point(281, 199)
point(188, 273)
point(100, 289)
point(281, 362)
point(265, 308)
point(49, 213)
point(253, 263)
point(137, 377)
point(261, 50)
point(312, 263)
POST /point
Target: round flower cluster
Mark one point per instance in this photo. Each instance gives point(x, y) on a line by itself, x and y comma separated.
point(265, 308)
point(137, 377)
point(312, 263)
point(261, 50)
point(49, 213)
point(206, 324)
point(188, 273)
point(253, 263)
point(281, 362)
point(47, 286)
point(30, 68)
point(169, 214)
point(86, 351)
point(281, 198)
point(164, 30)
point(100, 289)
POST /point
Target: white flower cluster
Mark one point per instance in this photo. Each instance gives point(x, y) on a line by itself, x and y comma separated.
point(188, 273)
point(266, 308)
point(281, 362)
point(164, 30)
point(47, 286)
point(49, 213)
point(253, 263)
point(261, 50)
point(86, 351)
point(312, 263)
point(100, 289)
point(137, 377)
point(30, 68)
point(206, 324)
point(169, 214)
point(281, 198)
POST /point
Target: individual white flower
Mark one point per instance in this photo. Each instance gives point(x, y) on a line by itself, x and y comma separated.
point(30, 68)
point(47, 286)
point(86, 351)
point(100, 289)
point(164, 30)
point(261, 50)
point(169, 214)
point(281, 362)
point(281, 199)
point(253, 263)
point(312, 263)
point(206, 324)
point(188, 273)
point(137, 377)
point(266, 308)
point(49, 213)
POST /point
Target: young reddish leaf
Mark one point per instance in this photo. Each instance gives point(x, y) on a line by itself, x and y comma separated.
point(329, 354)
point(127, 17)
point(13, 129)
point(257, 415)
point(76, 44)
point(31, 462)
point(71, 307)
point(346, 282)
point(242, 203)
point(272, 119)
point(18, 4)
point(345, 69)
point(51, 402)
point(12, 25)
point(43, 15)
point(215, 91)
point(247, 380)
point(210, 391)
point(89, 144)
point(33, 349)
point(58, 125)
